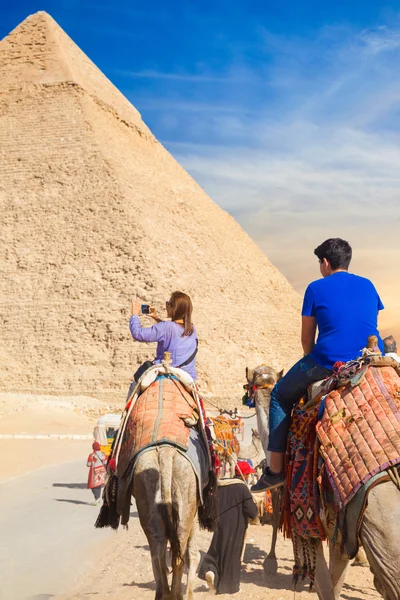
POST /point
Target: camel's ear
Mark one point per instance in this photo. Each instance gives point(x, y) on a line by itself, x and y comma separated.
point(279, 375)
point(249, 374)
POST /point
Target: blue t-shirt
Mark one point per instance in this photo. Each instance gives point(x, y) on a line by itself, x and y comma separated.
point(345, 307)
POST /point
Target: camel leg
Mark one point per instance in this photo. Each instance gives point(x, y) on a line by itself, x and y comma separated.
point(380, 537)
point(276, 510)
point(271, 563)
point(361, 558)
point(177, 573)
point(158, 550)
point(323, 581)
point(193, 561)
point(338, 565)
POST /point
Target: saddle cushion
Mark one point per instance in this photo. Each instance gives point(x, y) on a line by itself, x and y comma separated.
point(360, 431)
point(158, 416)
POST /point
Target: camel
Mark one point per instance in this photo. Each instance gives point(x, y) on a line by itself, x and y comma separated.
point(254, 450)
point(380, 529)
point(165, 490)
point(262, 380)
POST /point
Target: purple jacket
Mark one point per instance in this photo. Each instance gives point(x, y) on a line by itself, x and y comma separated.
point(168, 336)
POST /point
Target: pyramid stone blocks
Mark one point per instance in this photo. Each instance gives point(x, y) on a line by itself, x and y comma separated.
point(95, 211)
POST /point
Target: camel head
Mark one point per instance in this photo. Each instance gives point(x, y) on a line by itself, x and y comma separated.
point(263, 377)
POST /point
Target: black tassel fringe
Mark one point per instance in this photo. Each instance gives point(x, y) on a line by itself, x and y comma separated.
point(108, 515)
point(209, 510)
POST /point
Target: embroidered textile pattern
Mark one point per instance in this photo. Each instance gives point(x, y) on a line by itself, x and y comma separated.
point(301, 502)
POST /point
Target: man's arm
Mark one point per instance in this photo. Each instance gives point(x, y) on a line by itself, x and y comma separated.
point(308, 330)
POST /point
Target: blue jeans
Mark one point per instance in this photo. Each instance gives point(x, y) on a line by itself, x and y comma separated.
point(288, 392)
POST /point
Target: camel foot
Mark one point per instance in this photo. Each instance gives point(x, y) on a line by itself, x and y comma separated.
point(361, 559)
point(270, 565)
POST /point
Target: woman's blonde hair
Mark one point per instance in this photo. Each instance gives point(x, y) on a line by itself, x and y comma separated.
point(181, 308)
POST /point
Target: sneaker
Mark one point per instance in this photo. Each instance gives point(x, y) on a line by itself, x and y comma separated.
point(210, 577)
point(268, 481)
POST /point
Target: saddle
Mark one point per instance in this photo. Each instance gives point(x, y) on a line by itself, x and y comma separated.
point(340, 445)
point(336, 445)
point(224, 435)
point(163, 408)
point(161, 414)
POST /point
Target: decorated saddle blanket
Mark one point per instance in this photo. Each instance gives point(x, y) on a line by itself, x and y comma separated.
point(160, 414)
point(224, 434)
point(359, 431)
point(356, 430)
point(301, 500)
point(335, 446)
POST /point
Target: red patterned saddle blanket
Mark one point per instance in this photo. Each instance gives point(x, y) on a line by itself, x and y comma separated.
point(158, 416)
point(356, 437)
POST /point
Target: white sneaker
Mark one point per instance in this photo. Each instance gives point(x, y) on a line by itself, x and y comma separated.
point(210, 577)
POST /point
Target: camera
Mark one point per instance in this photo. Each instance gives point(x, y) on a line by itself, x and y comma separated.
point(145, 309)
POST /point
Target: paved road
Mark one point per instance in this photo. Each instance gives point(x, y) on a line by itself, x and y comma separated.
point(46, 532)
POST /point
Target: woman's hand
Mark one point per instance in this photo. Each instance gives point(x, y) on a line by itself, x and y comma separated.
point(153, 314)
point(136, 307)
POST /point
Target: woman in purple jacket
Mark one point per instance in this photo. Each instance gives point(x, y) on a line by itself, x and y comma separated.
point(177, 336)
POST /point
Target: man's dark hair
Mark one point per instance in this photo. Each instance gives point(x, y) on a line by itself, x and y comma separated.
point(336, 251)
point(389, 344)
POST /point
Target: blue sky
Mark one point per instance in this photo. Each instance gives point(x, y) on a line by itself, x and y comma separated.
point(287, 113)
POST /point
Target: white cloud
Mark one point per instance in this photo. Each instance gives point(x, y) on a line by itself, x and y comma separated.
point(381, 39)
point(313, 153)
point(183, 77)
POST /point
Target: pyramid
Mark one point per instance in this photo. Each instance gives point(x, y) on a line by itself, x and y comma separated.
point(95, 212)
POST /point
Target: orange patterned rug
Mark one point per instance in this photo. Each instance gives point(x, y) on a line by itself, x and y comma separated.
point(158, 416)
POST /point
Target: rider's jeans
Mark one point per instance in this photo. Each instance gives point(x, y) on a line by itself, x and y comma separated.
point(287, 392)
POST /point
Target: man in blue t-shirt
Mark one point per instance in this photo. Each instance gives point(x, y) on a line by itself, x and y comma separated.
point(344, 307)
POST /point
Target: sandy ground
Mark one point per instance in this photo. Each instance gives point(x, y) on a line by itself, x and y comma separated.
point(124, 572)
point(119, 565)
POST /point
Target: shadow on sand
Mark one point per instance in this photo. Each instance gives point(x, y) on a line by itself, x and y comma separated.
point(354, 589)
point(150, 585)
point(74, 501)
point(71, 486)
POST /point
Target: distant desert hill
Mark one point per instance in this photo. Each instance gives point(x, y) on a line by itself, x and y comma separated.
point(95, 211)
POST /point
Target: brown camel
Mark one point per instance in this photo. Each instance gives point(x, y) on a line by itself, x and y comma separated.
point(165, 489)
point(380, 529)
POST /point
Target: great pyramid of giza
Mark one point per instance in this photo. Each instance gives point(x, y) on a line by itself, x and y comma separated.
point(95, 211)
